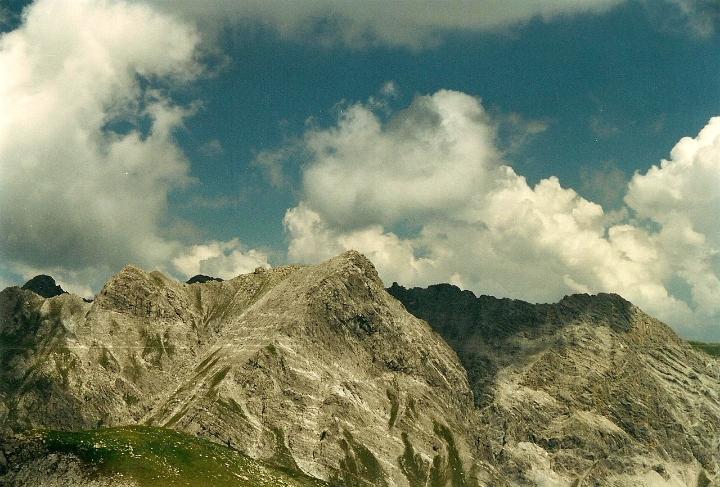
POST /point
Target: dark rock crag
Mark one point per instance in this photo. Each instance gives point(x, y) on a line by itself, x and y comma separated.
point(44, 286)
point(202, 278)
point(587, 391)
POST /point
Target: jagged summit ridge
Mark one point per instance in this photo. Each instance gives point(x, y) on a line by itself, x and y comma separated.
point(43, 285)
point(589, 389)
point(320, 369)
point(505, 315)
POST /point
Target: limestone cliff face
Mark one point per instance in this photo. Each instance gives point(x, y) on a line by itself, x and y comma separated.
point(313, 368)
point(320, 369)
point(588, 391)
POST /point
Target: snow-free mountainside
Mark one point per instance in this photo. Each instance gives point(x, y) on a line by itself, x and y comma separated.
point(315, 375)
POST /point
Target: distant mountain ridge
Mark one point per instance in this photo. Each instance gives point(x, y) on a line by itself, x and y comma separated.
point(587, 388)
point(320, 370)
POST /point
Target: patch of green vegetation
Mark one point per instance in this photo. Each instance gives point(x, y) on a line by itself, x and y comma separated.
point(207, 360)
point(410, 412)
point(177, 416)
point(168, 344)
point(447, 470)
point(283, 456)
point(232, 407)
point(272, 350)
point(23, 338)
point(158, 279)
point(65, 361)
point(133, 370)
point(412, 464)
point(359, 468)
point(712, 349)
point(218, 377)
point(107, 360)
point(55, 311)
point(215, 314)
point(156, 346)
point(159, 456)
point(152, 348)
point(207, 364)
point(394, 407)
point(211, 392)
point(130, 399)
point(703, 480)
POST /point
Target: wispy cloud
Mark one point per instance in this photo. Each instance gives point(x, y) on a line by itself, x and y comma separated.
point(602, 128)
point(211, 148)
point(701, 17)
point(416, 25)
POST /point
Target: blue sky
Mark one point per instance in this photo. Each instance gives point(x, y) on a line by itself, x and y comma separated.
point(617, 88)
point(240, 137)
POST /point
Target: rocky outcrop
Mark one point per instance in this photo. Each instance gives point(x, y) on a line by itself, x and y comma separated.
point(313, 368)
point(44, 286)
point(587, 391)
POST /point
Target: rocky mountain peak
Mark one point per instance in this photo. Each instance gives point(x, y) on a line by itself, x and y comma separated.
point(318, 369)
point(142, 293)
point(313, 368)
point(202, 278)
point(44, 286)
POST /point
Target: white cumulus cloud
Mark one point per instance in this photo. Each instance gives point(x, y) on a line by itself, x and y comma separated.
point(87, 149)
point(435, 167)
point(431, 158)
point(220, 259)
point(681, 195)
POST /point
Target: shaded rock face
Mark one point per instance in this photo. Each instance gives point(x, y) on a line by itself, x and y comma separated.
point(44, 286)
point(201, 278)
point(587, 391)
point(313, 368)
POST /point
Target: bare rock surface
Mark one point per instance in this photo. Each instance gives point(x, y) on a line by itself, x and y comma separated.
point(314, 368)
point(319, 369)
point(588, 391)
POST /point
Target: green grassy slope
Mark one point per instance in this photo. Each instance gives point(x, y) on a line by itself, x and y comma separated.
point(709, 348)
point(160, 456)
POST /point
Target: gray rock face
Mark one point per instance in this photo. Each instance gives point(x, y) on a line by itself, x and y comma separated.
point(314, 368)
point(588, 391)
point(319, 369)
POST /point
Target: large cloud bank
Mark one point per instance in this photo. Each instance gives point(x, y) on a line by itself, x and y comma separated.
point(434, 171)
point(87, 154)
